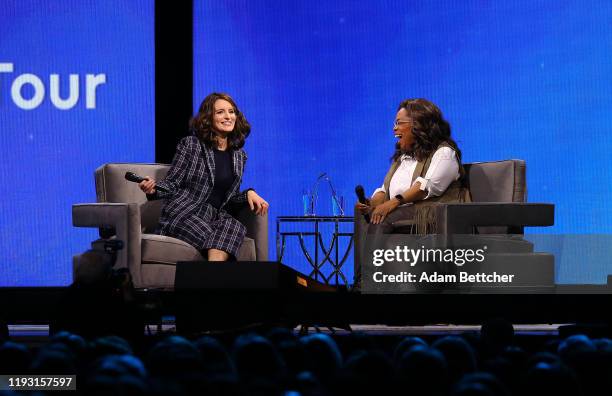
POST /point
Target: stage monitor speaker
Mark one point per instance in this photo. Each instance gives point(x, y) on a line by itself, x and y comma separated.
point(234, 295)
point(243, 276)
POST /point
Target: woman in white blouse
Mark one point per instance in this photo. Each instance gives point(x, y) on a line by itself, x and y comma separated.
point(426, 163)
point(426, 169)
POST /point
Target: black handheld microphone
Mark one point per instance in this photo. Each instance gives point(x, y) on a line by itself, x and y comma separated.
point(362, 199)
point(133, 177)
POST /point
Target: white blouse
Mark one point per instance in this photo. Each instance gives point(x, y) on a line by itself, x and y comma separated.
point(443, 170)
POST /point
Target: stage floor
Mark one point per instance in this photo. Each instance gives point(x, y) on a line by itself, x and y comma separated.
point(34, 331)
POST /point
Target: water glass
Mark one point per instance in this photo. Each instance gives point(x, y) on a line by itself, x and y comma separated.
point(308, 203)
point(338, 205)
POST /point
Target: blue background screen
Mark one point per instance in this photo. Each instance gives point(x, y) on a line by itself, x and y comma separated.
point(49, 154)
point(320, 83)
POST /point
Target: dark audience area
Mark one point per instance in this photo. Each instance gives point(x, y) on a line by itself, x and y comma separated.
point(494, 361)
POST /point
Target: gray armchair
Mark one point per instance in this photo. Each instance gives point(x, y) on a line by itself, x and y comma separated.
point(122, 212)
point(499, 192)
point(498, 213)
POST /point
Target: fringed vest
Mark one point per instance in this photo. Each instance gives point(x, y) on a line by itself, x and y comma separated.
point(425, 217)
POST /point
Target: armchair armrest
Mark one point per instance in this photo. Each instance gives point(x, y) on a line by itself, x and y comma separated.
point(257, 229)
point(123, 217)
point(460, 218)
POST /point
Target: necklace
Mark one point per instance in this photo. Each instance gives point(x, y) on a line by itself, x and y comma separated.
point(221, 143)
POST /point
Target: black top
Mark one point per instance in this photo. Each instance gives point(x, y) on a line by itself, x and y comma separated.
point(224, 177)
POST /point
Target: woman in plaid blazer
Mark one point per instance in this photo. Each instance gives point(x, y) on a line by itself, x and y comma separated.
point(204, 178)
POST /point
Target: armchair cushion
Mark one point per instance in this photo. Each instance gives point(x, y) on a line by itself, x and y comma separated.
point(497, 181)
point(161, 249)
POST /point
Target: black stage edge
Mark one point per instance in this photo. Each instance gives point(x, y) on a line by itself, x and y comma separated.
point(41, 305)
point(239, 276)
point(173, 75)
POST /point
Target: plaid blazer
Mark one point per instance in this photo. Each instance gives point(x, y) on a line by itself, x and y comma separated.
point(190, 182)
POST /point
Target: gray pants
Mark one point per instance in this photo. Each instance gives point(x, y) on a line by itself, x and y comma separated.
point(371, 232)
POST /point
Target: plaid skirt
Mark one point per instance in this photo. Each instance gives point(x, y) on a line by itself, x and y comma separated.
point(209, 228)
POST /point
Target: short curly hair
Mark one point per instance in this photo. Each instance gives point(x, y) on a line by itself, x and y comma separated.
point(202, 123)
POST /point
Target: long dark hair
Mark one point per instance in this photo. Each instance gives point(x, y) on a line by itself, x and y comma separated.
point(201, 124)
point(429, 129)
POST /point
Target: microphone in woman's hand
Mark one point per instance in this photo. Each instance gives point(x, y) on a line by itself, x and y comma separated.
point(362, 199)
point(133, 177)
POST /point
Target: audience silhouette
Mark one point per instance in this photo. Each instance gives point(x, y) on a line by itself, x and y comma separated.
point(279, 362)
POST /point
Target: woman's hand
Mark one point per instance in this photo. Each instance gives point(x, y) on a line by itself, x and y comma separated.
point(363, 208)
point(147, 185)
point(257, 203)
point(370, 204)
point(381, 211)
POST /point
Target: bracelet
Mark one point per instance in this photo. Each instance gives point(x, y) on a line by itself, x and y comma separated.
point(400, 198)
